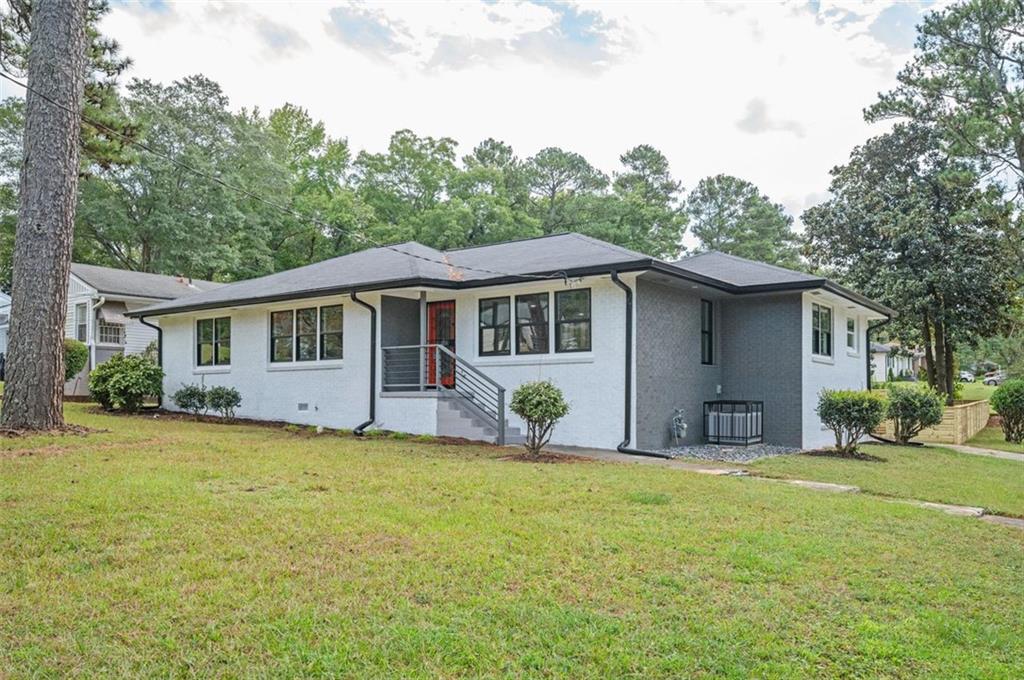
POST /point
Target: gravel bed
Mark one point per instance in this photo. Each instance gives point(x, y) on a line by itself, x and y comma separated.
point(731, 454)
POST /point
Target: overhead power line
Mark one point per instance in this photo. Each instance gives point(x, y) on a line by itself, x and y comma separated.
point(256, 197)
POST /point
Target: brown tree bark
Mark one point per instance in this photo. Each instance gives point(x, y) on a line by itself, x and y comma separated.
point(940, 358)
point(929, 356)
point(34, 392)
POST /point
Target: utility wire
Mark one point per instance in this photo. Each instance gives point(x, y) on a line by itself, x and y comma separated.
point(256, 197)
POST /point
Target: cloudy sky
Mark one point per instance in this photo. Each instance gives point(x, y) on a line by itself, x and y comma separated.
point(771, 92)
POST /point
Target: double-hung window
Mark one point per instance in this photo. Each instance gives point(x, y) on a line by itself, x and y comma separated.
point(81, 321)
point(532, 324)
point(851, 334)
point(306, 334)
point(213, 341)
point(495, 327)
point(821, 330)
point(572, 320)
point(707, 332)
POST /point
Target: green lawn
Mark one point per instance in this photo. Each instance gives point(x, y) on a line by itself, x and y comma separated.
point(170, 548)
point(993, 438)
point(927, 473)
point(976, 391)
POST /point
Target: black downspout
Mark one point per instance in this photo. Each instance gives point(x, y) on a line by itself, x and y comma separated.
point(358, 431)
point(159, 348)
point(628, 425)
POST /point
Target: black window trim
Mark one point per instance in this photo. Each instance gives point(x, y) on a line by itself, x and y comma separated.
point(214, 342)
point(319, 334)
point(589, 320)
point(507, 299)
point(708, 332)
point(818, 333)
point(547, 323)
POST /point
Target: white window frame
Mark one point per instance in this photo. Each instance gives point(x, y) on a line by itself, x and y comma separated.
point(853, 335)
point(214, 366)
point(82, 321)
point(104, 330)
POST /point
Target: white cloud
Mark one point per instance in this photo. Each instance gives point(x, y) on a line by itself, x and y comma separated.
point(596, 79)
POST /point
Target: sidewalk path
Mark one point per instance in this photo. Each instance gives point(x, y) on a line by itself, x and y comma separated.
point(978, 451)
point(725, 469)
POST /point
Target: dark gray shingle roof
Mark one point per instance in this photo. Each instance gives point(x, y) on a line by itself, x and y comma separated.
point(739, 271)
point(413, 263)
point(140, 284)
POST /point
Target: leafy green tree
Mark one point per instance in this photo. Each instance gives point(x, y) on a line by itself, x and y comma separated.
point(914, 228)
point(560, 183)
point(405, 184)
point(731, 215)
point(158, 216)
point(967, 81)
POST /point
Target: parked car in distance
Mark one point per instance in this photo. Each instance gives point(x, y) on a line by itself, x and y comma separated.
point(994, 378)
point(966, 376)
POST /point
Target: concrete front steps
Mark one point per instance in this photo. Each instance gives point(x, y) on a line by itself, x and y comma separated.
point(457, 418)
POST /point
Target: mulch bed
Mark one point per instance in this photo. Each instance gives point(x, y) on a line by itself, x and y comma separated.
point(545, 458)
point(832, 453)
point(66, 431)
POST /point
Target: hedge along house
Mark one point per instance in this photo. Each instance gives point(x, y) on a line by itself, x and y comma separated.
point(413, 339)
point(99, 299)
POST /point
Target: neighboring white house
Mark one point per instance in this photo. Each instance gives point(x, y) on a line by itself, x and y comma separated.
point(892, 359)
point(5, 320)
point(413, 339)
point(99, 299)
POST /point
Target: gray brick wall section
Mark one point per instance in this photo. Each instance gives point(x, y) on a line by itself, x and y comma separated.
point(757, 357)
point(761, 345)
point(669, 374)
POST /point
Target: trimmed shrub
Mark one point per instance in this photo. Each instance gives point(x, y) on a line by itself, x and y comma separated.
point(541, 405)
point(912, 409)
point(191, 398)
point(1008, 401)
point(224, 400)
point(125, 382)
point(851, 414)
point(76, 355)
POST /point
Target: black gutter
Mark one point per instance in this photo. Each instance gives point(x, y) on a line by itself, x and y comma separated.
point(358, 431)
point(628, 421)
point(159, 348)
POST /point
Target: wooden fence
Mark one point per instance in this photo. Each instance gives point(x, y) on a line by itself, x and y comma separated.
point(960, 422)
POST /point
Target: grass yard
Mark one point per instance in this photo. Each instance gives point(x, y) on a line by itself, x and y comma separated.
point(993, 438)
point(977, 391)
point(929, 473)
point(171, 548)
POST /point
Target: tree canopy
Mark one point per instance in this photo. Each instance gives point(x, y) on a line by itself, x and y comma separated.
point(732, 216)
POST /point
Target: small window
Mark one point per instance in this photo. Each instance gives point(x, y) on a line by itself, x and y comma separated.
point(213, 342)
point(821, 330)
point(282, 343)
point(305, 334)
point(851, 334)
point(572, 320)
point(495, 327)
point(110, 333)
point(81, 324)
point(707, 332)
point(532, 324)
point(331, 329)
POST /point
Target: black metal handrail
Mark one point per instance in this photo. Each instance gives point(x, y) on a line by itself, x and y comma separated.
point(419, 368)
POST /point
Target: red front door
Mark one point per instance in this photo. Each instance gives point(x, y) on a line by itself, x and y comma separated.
point(441, 331)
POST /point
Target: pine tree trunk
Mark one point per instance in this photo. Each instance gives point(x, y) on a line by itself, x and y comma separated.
point(34, 392)
point(940, 358)
point(950, 382)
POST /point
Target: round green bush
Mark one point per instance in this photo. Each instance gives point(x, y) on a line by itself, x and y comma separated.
point(912, 409)
point(1008, 401)
point(851, 414)
point(125, 382)
point(541, 405)
point(224, 400)
point(76, 355)
point(190, 398)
